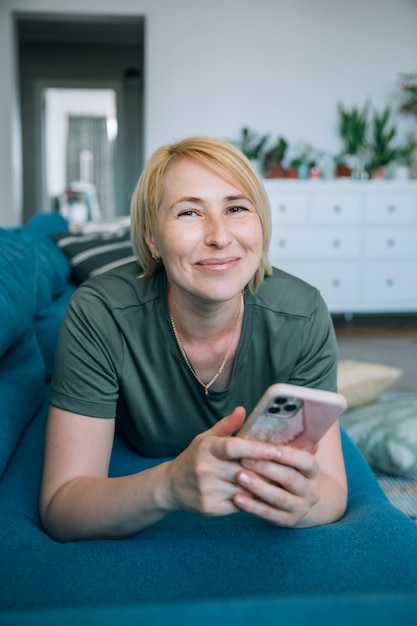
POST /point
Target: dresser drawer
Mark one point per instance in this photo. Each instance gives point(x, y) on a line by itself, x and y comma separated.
point(314, 243)
point(337, 283)
point(390, 282)
point(288, 209)
point(391, 209)
point(336, 209)
point(391, 242)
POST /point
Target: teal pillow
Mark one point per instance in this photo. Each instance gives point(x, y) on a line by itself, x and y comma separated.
point(22, 391)
point(22, 368)
point(18, 288)
point(386, 433)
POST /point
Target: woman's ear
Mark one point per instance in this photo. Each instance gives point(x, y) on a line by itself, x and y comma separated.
point(150, 242)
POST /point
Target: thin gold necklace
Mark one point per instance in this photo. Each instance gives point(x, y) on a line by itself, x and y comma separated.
point(184, 354)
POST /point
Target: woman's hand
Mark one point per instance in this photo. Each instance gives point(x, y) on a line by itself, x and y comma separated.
point(202, 479)
point(301, 489)
point(282, 493)
point(218, 475)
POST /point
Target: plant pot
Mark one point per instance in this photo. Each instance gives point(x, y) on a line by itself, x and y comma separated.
point(378, 174)
point(276, 171)
point(343, 171)
point(292, 172)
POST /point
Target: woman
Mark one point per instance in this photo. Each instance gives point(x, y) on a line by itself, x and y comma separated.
point(198, 336)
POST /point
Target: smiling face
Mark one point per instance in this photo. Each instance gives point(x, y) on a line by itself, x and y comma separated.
point(208, 233)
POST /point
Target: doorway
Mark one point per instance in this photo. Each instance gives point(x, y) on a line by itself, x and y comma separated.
point(73, 68)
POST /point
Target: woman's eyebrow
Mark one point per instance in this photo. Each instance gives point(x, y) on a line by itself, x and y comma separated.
point(191, 199)
point(235, 198)
point(196, 200)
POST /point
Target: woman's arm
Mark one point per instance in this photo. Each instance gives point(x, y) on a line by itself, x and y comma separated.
point(79, 501)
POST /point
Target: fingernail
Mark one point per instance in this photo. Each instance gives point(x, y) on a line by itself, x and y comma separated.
point(244, 478)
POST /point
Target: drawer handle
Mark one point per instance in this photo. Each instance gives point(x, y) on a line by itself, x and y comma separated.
point(336, 283)
point(390, 243)
point(391, 208)
point(337, 208)
point(337, 243)
point(389, 282)
point(282, 208)
point(282, 243)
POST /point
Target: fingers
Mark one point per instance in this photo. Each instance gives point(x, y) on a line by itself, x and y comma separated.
point(282, 513)
point(282, 493)
point(230, 424)
point(303, 462)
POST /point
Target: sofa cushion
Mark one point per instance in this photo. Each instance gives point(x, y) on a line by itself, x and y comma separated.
point(362, 382)
point(18, 288)
point(53, 286)
point(22, 390)
point(33, 279)
point(185, 557)
point(47, 326)
point(94, 253)
point(386, 433)
point(53, 268)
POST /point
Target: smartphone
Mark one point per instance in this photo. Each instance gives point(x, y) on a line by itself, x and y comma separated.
point(293, 415)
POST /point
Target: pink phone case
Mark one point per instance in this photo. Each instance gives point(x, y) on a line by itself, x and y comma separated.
point(288, 414)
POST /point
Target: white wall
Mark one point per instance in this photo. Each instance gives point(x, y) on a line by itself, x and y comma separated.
point(213, 66)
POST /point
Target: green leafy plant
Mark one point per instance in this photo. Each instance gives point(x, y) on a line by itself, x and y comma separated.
point(382, 151)
point(304, 155)
point(251, 143)
point(275, 155)
point(353, 127)
point(409, 87)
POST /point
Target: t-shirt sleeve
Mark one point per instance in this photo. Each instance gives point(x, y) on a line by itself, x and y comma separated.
point(316, 365)
point(88, 358)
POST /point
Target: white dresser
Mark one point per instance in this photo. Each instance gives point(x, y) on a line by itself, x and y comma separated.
point(354, 240)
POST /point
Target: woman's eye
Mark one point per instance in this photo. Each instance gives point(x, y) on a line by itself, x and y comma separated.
point(187, 213)
point(237, 209)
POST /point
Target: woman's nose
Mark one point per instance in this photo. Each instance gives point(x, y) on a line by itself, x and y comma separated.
point(217, 232)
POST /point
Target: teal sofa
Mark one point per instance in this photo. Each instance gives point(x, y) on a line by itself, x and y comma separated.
point(185, 569)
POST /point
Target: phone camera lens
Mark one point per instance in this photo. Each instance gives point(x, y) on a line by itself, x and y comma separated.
point(290, 407)
point(274, 409)
point(281, 400)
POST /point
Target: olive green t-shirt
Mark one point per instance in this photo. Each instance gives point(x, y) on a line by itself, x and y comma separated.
point(117, 356)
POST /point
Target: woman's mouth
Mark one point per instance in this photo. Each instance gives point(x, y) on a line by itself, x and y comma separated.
point(217, 264)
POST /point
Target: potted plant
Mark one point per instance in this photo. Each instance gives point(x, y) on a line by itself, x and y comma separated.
point(353, 125)
point(409, 86)
point(272, 165)
point(252, 144)
point(382, 151)
point(302, 162)
point(409, 106)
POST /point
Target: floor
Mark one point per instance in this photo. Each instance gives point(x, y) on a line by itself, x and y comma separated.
point(385, 339)
point(389, 340)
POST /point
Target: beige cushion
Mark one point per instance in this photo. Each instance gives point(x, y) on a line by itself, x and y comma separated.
point(362, 383)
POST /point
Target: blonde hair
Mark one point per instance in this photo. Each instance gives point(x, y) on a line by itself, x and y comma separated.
point(220, 157)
